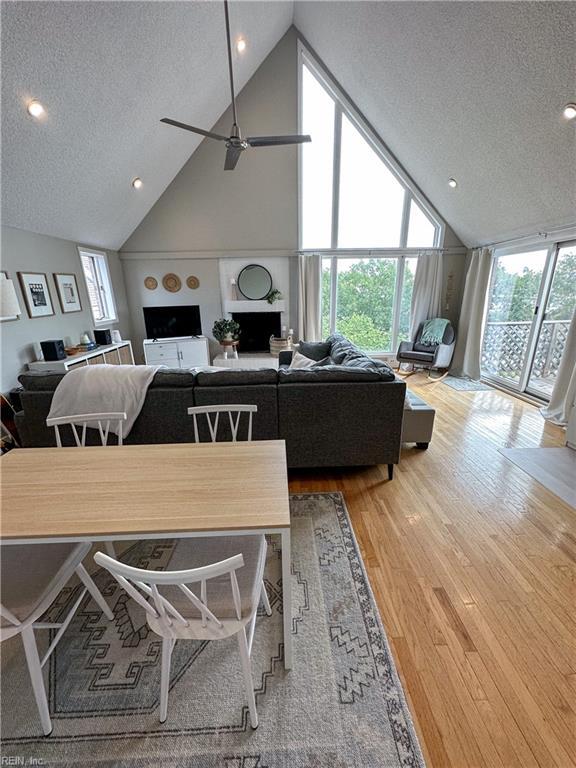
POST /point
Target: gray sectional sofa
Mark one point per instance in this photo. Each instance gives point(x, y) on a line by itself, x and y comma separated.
point(347, 411)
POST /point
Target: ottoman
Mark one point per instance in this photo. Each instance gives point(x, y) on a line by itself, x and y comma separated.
point(418, 421)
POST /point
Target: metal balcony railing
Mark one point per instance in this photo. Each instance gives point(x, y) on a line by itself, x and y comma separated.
point(504, 348)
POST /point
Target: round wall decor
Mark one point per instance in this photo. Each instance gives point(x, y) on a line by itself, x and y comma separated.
point(151, 283)
point(172, 282)
point(193, 282)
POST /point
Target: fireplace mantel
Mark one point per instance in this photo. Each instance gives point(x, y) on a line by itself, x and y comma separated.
point(254, 306)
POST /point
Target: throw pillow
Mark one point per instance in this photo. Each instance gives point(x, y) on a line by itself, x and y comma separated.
point(301, 361)
point(315, 350)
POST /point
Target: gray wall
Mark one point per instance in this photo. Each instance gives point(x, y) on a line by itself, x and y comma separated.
point(251, 208)
point(29, 252)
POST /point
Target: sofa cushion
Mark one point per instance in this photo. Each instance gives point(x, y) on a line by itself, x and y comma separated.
point(315, 350)
point(328, 374)
point(236, 376)
point(167, 378)
point(341, 348)
point(41, 381)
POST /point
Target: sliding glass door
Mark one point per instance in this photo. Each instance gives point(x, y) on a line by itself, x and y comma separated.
point(531, 299)
point(559, 307)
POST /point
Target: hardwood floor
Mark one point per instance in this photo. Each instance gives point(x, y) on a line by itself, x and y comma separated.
point(473, 566)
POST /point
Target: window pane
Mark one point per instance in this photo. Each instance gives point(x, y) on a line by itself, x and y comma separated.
point(406, 300)
point(421, 231)
point(326, 280)
point(513, 294)
point(371, 198)
point(92, 284)
point(365, 302)
point(317, 163)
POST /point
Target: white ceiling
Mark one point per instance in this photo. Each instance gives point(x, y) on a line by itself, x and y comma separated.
point(472, 90)
point(106, 73)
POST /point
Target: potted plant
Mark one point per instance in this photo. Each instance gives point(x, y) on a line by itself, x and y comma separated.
point(273, 296)
point(225, 330)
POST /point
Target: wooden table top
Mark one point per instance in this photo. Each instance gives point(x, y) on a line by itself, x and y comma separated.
point(143, 489)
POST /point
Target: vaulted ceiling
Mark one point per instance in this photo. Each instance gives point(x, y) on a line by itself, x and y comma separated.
point(470, 90)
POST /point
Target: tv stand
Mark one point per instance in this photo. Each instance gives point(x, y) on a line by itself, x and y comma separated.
point(177, 352)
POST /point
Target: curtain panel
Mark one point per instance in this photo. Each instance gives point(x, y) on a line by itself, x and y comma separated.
point(466, 362)
point(310, 297)
point(427, 290)
point(563, 397)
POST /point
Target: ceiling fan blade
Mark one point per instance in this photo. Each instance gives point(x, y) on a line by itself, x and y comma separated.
point(276, 141)
point(232, 157)
point(186, 127)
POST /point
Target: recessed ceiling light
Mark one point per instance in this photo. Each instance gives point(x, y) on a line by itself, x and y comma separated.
point(569, 111)
point(452, 183)
point(241, 45)
point(137, 183)
point(35, 109)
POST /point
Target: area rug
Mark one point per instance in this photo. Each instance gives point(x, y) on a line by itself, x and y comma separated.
point(341, 706)
point(464, 385)
point(554, 468)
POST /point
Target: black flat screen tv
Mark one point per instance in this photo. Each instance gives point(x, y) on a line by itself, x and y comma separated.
point(165, 322)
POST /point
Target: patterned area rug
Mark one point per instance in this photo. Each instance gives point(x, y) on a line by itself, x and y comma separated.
point(341, 706)
point(464, 385)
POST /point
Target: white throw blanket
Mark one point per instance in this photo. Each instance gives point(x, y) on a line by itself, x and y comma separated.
point(104, 389)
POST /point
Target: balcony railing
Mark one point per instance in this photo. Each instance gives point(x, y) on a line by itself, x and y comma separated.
point(504, 349)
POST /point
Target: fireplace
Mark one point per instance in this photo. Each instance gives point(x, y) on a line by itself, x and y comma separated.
point(256, 329)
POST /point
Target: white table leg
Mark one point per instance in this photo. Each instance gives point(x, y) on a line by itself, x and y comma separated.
point(287, 598)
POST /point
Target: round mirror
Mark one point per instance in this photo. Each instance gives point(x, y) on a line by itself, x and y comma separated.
point(254, 282)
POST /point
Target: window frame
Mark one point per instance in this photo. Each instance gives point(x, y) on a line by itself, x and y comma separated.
point(344, 106)
point(105, 287)
point(401, 255)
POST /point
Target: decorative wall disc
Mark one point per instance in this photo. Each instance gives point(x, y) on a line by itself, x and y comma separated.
point(151, 283)
point(193, 282)
point(172, 282)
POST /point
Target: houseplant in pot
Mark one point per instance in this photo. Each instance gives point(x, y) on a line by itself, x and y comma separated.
point(227, 332)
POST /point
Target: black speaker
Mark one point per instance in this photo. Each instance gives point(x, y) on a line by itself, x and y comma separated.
point(103, 336)
point(53, 350)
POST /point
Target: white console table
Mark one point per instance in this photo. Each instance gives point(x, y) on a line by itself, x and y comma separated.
point(177, 352)
point(113, 354)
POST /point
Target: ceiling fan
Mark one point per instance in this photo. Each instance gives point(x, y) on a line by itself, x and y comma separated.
point(235, 144)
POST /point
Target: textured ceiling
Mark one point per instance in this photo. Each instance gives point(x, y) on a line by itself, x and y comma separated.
point(472, 90)
point(106, 73)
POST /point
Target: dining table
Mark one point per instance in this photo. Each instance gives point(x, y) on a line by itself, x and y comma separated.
point(153, 491)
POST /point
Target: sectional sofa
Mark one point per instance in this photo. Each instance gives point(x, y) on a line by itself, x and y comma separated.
point(342, 413)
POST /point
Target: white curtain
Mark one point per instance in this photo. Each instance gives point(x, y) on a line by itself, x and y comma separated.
point(466, 361)
point(564, 393)
point(427, 290)
point(310, 297)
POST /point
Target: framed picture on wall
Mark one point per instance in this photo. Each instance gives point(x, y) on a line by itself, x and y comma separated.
point(36, 293)
point(68, 292)
point(9, 300)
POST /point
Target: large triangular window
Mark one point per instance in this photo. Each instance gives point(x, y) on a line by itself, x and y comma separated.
point(361, 211)
point(354, 195)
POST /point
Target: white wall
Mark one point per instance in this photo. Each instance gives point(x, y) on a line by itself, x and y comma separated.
point(207, 296)
point(30, 252)
point(254, 207)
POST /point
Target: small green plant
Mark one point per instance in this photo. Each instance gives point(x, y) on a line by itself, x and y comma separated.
point(225, 329)
point(273, 296)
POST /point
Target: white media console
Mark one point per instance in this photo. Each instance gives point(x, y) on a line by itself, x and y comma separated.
point(177, 352)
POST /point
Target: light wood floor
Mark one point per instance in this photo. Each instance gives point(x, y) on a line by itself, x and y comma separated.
point(473, 566)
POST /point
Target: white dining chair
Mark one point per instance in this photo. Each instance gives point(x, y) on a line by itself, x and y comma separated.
point(100, 421)
point(234, 413)
point(32, 577)
point(229, 572)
